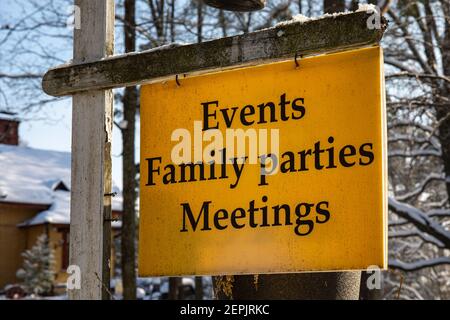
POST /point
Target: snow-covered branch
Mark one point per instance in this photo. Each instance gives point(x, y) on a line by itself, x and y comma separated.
point(420, 220)
point(405, 74)
point(398, 65)
point(403, 123)
point(430, 178)
point(418, 140)
point(418, 265)
point(415, 233)
point(439, 213)
point(21, 76)
point(414, 153)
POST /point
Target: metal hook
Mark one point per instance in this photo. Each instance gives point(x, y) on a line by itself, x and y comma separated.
point(296, 61)
point(112, 194)
point(177, 81)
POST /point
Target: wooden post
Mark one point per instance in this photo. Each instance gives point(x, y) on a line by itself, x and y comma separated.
point(90, 227)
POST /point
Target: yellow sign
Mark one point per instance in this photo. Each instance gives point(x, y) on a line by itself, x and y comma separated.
point(265, 169)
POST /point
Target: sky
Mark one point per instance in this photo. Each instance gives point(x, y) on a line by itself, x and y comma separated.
point(50, 128)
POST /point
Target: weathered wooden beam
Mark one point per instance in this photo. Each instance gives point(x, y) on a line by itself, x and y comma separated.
point(329, 34)
point(90, 205)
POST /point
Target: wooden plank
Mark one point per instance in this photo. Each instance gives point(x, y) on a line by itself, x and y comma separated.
point(91, 156)
point(324, 35)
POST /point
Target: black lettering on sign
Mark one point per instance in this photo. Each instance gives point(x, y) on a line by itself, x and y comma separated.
point(306, 216)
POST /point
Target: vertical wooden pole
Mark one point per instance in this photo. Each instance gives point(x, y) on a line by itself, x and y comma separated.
point(90, 229)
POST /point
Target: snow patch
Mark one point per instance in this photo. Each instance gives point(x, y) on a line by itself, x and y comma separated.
point(68, 63)
point(300, 18)
point(367, 7)
point(166, 46)
point(8, 116)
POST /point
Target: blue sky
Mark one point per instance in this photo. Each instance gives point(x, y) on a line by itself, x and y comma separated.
point(50, 127)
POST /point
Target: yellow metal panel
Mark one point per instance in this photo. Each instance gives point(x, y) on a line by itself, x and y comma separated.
point(342, 178)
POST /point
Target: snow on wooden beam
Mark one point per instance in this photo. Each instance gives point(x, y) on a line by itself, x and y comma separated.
point(315, 36)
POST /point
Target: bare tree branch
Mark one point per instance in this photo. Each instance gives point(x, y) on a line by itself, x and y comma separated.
point(418, 265)
point(420, 220)
point(415, 233)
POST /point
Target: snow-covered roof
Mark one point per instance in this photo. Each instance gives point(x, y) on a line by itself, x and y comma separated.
point(9, 117)
point(41, 177)
point(58, 213)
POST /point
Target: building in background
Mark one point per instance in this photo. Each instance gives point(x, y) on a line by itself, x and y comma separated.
point(34, 199)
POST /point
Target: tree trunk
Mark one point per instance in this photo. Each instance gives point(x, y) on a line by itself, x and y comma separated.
point(129, 168)
point(199, 21)
point(443, 113)
point(172, 21)
point(222, 23)
point(174, 288)
point(198, 288)
point(332, 6)
point(301, 286)
point(354, 5)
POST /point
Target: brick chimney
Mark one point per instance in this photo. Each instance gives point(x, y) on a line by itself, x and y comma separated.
point(9, 130)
